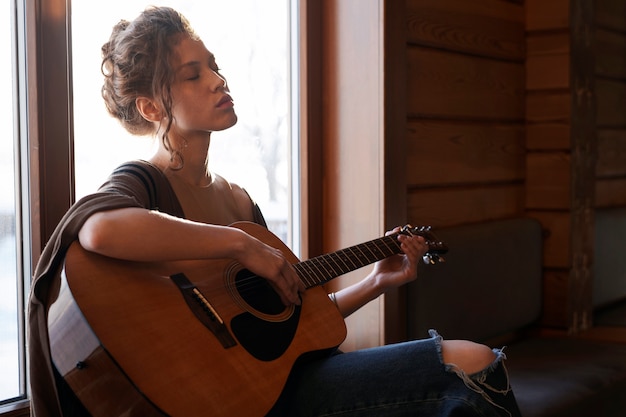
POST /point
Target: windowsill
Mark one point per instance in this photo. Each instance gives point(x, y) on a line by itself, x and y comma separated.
point(15, 409)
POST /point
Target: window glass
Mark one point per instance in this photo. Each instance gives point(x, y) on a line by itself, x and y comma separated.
point(250, 39)
point(9, 294)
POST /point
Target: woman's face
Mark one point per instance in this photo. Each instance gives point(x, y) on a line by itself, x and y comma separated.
point(200, 99)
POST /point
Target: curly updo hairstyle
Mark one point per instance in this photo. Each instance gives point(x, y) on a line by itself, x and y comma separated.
point(136, 63)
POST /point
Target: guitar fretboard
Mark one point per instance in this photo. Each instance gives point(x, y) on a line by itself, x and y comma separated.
point(323, 268)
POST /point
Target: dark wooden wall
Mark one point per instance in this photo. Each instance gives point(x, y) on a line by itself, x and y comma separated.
point(451, 112)
point(465, 111)
point(610, 82)
point(518, 108)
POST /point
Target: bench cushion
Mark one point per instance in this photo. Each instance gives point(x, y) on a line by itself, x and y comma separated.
point(461, 301)
point(613, 315)
point(609, 266)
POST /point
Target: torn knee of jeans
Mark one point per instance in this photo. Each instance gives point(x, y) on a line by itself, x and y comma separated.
point(480, 382)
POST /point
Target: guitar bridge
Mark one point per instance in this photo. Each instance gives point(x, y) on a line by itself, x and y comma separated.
point(203, 310)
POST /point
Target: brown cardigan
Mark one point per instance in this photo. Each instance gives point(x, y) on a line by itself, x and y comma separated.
point(134, 184)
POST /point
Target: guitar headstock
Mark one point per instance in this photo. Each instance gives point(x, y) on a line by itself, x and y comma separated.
point(436, 247)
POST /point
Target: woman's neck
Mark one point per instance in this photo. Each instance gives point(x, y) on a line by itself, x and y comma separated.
point(195, 163)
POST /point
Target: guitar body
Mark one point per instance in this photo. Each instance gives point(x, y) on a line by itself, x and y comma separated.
point(127, 342)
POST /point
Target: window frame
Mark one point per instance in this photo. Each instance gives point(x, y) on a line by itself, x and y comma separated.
point(45, 134)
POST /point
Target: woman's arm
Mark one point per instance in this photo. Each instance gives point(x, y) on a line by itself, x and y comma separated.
point(387, 274)
point(138, 234)
point(144, 235)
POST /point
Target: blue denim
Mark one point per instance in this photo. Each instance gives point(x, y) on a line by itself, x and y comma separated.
point(403, 379)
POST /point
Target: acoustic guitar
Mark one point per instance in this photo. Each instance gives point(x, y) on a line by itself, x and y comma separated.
point(196, 338)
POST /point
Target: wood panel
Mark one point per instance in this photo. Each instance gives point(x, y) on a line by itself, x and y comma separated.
point(610, 54)
point(611, 14)
point(353, 143)
point(610, 192)
point(311, 134)
point(611, 160)
point(610, 41)
point(556, 226)
point(555, 301)
point(611, 98)
point(548, 139)
point(440, 153)
point(554, 42)
point(490, 28)
point(452, 206)
point(548, 106)
point(559, 188)
point(548, 181)
point(548, 136)
point(547, 60)
point(547, 15)
point(395, 207)
point(547, 71)
point(455, 86)
point(583, 159)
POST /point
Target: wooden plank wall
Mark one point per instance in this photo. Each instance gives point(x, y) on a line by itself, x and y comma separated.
point(465, 111)
point(513, 108)
point(549, 159)
point(576, 139)
point(610, 83)
point(518, 108)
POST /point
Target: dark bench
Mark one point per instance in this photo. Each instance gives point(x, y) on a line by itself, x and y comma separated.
point(490, 290)
point(609, 285)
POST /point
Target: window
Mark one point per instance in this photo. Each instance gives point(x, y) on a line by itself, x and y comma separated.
point(250, 39)
point(11, 295)
point(46, 164)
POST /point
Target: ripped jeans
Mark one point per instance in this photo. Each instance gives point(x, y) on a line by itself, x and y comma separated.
point(404, 379)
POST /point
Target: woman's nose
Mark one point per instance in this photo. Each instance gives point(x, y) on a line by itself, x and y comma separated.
point(218, 82)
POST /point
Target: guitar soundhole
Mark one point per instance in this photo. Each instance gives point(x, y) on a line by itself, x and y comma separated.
point(267, 328)
point(258, 293)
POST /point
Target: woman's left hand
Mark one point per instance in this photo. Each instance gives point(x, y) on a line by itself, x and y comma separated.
point(400, 269)
point(389, 273)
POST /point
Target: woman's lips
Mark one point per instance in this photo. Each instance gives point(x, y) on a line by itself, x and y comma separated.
point(225, 101)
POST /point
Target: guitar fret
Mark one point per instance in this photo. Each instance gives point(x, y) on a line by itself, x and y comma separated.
point(346, 256)
point(343, 267)
point(318, 273)
point(305, 274)
point(324, 271)
point(374, 255)
point(332, 264)
point(326, 267)
point(359, 255)
point(387, 243)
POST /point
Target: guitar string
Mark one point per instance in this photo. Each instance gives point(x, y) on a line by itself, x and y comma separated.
point(314, 271)
point(319, 267)
point(322, 270)
point(319, 270)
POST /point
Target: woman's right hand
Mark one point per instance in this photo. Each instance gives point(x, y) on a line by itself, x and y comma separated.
point(270, 263)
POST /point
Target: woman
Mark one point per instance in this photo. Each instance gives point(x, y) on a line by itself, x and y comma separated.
point(160, 79)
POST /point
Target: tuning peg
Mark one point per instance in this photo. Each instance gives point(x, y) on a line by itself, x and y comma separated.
point(432, 259)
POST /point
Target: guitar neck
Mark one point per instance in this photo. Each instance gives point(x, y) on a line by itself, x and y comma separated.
point(321, 269)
